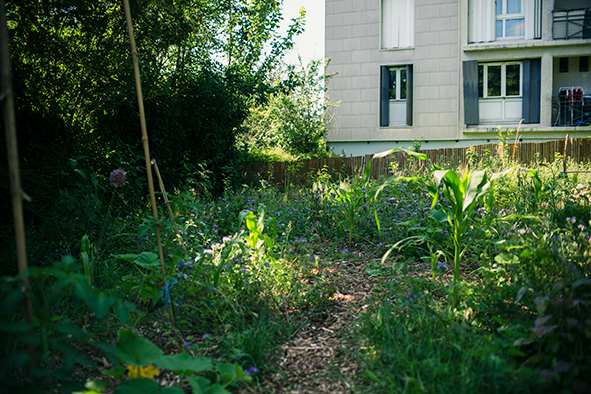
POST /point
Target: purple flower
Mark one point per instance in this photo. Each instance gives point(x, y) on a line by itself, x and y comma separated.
point(187, 345)
point(442, 265)
point(117, 178)
point(251, 370)
point(205, 336)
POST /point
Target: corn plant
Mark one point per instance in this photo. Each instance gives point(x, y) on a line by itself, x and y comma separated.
point(463, 195)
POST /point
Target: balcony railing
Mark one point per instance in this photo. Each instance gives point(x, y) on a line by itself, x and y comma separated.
point(571, 24)
point(571, 107)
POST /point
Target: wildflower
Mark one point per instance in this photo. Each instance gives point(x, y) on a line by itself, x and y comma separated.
point(142, 372)
point(572, 220)
point(251, 370)
point(117, 178)
point(205, 336)
point(187, 345)
point(345, 251)
point(442, 265)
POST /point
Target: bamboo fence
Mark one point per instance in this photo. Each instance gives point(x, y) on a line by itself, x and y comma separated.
point(577, 150)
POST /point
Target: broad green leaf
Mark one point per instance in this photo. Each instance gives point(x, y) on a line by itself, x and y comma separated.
point(228, 371)
point(94, 387)
point(521, 293)
point(581, 282)
point(144, 259)
point(184, 363)
point(199, 384)
point(171, 390)
point(136, 351)
point(137, 386)
point(122, 312)
point(217, 389)
point(117, 371)
point(476, 183)
point(439, 215)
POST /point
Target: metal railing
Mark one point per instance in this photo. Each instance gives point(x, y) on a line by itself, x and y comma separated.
point(571, 24)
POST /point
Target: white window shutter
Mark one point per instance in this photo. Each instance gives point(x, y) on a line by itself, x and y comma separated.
point(533, 19)
point(482, 20)
point(397, 23)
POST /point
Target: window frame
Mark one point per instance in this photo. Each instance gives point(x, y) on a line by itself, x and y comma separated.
point(503, 17)
point(385, 95)
point(503, 79)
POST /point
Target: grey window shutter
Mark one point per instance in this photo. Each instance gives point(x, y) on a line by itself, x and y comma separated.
point(531, 90)
point(471, 115)
point(384, 97)
point(409, 96)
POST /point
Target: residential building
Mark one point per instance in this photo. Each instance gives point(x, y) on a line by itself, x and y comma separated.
point(450, 72)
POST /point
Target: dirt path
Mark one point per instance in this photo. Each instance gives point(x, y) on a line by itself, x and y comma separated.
point(315, 360)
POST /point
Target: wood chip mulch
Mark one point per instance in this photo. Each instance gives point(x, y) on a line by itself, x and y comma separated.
point(316, 360)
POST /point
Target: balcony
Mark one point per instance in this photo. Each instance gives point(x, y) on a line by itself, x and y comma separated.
point(571, 24)
point(571, 107)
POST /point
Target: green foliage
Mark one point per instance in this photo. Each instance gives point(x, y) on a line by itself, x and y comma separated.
point(292, 117)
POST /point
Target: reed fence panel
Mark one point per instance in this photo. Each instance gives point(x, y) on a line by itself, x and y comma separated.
point(578, 150)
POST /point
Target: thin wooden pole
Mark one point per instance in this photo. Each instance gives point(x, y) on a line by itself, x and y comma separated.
point(140, 100)
point(16, 191)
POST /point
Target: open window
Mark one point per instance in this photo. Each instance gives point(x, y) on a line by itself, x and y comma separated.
point(396, 96)
point(501, 92)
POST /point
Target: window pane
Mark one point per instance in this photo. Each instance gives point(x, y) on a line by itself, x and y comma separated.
point(499, 7)
point(392, 84)
point(480, 81)
point(499, 29)
point(513, 79)
point(402, 84)
point(513, 6)
point(494, 81)
point(515, 27)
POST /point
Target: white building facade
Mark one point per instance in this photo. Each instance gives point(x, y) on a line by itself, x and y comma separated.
point(449, 72)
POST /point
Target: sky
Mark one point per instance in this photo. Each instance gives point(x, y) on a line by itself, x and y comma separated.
point(310, 44)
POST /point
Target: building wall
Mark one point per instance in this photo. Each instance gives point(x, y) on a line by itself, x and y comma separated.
point(440, 46)
point(353, 42)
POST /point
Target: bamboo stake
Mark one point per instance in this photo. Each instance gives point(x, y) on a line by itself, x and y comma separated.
point(138, 85)
point(16, 191)
point(167, 201)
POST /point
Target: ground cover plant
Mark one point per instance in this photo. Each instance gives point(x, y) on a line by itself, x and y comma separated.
point(504, 310)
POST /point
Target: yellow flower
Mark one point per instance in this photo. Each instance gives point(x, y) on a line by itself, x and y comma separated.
point(142, 372)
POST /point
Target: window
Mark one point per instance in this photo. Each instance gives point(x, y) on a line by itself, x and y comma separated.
point(397, 24)
point(396, 96)
point(502, 91)
point(510, 21)
point(491, 20)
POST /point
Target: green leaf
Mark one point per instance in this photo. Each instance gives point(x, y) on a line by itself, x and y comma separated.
point(440, 215)
point(228, 371)
point(94, 387)
point(136, 351)
point(12, 300)
point(117, 371)
point(521, 293)
point(137, 386)
point(199, 384)
point(217, 389)
point(145, 259)
point(185, 364)
point(122, 312)
point(171, 390)
point(581, 282)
